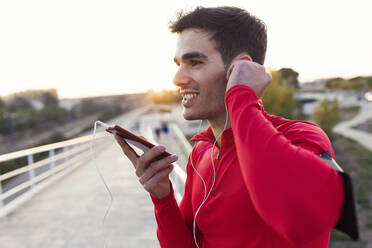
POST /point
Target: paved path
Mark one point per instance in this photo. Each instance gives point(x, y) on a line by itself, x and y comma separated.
point(69, 213)
point(345, 128)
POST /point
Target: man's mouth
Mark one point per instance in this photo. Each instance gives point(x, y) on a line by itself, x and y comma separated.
point(188, 97)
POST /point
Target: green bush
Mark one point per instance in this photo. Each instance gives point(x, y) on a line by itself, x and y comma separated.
point(327, 115)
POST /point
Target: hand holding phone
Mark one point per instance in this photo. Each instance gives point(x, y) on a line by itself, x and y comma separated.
point(152, 167)
point(134, 139)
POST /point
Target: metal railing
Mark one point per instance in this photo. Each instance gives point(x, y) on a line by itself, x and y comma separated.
point(19, 185)
point(181, 139)
point(63, 157)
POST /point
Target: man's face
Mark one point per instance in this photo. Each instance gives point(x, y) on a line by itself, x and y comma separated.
point(200, 76)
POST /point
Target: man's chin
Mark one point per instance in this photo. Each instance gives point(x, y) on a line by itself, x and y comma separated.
point(189, 116)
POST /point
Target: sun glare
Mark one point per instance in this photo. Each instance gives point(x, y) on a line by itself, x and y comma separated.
point(162, 89)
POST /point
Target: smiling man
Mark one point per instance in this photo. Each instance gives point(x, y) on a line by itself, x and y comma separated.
point(253, 179)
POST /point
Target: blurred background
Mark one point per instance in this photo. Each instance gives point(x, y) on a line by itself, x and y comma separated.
point(65, 64)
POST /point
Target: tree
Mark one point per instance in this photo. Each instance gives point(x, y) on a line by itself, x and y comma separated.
point(2, 105)
point(369, 83)
point(88, 106)
point(327, 115)
point(53, 114)
point(49, 99)
point(278, 98)
point(356, 83)
point(19, 103)
point(33, 94)
point(290, 76)
point(3, 117)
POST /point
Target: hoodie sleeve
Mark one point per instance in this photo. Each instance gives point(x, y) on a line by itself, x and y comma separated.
point(175, 222)
point(295, 192)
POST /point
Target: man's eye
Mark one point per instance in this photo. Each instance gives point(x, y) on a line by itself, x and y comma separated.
point(195, 62)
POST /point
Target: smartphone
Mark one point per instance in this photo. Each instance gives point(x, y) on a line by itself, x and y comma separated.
point(134, 140)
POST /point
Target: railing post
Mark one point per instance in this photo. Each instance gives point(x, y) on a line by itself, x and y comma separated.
point(52, 164)
point(30, 161)
point(1, 200)
point(65, 149)
point(74, 154)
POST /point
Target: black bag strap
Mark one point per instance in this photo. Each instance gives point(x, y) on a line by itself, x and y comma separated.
point(348, 222)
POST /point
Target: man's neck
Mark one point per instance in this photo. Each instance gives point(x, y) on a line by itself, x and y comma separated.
point(218, 127)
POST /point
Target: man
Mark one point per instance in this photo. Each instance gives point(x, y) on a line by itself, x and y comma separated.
point(253, 180)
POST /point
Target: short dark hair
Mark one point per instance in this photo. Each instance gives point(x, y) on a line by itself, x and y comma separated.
point(234, 30)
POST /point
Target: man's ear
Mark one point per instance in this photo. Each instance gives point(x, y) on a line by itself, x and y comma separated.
point(242, 56)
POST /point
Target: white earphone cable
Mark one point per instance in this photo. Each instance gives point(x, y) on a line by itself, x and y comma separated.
point(102, 178)
point(214, 177)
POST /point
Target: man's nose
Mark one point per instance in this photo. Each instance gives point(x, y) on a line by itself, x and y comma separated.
point(181, 78)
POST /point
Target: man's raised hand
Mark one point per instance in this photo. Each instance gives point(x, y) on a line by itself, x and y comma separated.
point(245, 72)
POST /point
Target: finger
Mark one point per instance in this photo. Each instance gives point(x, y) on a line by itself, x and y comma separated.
point(229, 71)
point(128, 151)
point(156, 179)
point(267, 81)
point(269, 77)
point(146, 158)
point(157, 166)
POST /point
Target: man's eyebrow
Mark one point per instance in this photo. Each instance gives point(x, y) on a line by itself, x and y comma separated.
point(192, 55)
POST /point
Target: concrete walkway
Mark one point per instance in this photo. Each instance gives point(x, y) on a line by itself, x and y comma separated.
point(69, 213)
point(345, 128)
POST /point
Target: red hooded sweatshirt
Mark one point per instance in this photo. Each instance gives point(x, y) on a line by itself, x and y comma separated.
point(271, 188)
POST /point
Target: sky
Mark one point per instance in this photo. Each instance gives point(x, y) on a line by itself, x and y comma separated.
point(90, 48)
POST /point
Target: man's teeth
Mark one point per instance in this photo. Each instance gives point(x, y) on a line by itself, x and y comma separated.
point(189, 96)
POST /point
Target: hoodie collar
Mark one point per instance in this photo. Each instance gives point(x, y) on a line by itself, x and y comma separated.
point(206, 135)
point(227, 137)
